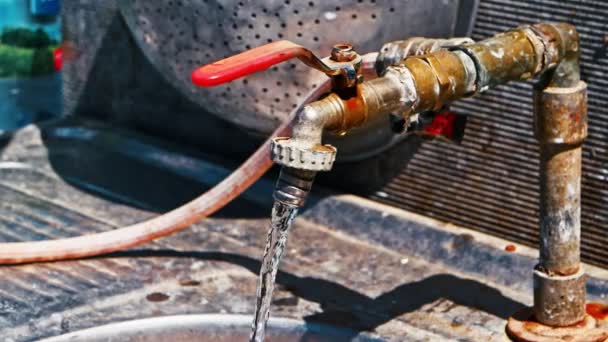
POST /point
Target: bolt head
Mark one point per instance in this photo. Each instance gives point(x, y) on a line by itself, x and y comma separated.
point(343, 52)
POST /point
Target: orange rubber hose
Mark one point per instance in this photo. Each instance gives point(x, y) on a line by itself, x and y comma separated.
point(175, 220)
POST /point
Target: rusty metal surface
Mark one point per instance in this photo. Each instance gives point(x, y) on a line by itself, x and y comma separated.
point(563, 42)
point(491, 181)
point(561, 127)
point(524, 328)
point(505, 57)
point(559, 301)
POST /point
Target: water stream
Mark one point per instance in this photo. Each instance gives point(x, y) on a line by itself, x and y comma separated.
point(280, 222)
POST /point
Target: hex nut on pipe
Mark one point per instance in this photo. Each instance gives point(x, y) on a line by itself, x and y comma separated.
point(288, 152)
point(559, 300)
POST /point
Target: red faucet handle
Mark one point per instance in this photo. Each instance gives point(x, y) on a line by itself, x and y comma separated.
point(447, 124)
point(251, 61)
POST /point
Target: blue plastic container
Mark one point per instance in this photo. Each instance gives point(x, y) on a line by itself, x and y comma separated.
point(44, 7)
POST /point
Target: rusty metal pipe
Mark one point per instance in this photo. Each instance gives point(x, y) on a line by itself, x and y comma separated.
point(427, 82)
point(560, 108)
point(560, 127)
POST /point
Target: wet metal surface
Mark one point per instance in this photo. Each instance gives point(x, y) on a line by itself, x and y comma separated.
point(210, 328)
point(416, 279)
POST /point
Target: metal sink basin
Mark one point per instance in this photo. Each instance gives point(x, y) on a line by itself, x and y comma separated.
point(212, 328)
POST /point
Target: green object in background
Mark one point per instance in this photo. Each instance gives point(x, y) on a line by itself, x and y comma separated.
point(25, 37)
point(25, 53)
point(42, 62)
point(22, 62)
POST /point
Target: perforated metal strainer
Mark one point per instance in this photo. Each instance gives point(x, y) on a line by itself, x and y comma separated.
point(180, 35)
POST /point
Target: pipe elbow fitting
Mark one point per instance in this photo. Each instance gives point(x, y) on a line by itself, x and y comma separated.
point(309, 125)
point(304, 150)
point(561, 54)
point(561, 114)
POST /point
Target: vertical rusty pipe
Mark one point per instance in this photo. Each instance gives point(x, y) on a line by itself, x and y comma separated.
point(560, 106)
point(552, 51)
point(561, 127)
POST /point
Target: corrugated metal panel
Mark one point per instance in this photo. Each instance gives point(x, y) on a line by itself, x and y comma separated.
point(490, 182)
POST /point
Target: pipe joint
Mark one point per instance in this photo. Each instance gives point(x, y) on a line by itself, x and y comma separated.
point(293, 186)
point(559, 300)
point(561, 52)
point(561, 114)
point(548, 49)
point(440, 77)
point(304, 150)
point(395, 52)
point(508, 56)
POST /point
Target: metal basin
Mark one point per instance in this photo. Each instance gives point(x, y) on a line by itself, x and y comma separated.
point(216, 328)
